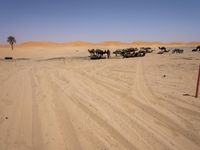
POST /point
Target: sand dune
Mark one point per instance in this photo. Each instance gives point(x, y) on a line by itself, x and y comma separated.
point(113, 43)
point(106, 43)
point(59, 99)
point(39, 44)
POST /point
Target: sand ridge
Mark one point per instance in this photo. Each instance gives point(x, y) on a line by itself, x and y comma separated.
point(105, 43)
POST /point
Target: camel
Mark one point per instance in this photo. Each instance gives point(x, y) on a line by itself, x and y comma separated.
point(140, 53)
point(118, 51)
point(162, 48)
point(98, 53)
point(146, 49)
point(177, 50)
point(196, 49)
point(91, 51)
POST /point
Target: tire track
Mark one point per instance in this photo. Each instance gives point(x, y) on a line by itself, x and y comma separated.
point(164, 121)
point(143, 130)
point(113, 132)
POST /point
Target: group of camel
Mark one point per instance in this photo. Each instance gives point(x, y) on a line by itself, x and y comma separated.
point(165, 50)
point(134, 52)
point(125, 53)
point(98, 53)
point(176, 50)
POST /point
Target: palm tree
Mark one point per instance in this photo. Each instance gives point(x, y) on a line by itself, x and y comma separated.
point(11, 40)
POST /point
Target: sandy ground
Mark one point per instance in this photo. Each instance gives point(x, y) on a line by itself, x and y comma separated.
point(61, 100)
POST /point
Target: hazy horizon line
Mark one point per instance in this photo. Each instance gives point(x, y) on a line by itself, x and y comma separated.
point(99, 42)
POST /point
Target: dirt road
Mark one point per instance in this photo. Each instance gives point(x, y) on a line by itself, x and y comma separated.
point(74, 104)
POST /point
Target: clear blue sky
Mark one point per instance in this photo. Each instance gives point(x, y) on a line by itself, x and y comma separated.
point(100, 20)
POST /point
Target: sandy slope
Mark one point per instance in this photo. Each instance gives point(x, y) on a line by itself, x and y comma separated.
point(76, 103)
point(105, 43)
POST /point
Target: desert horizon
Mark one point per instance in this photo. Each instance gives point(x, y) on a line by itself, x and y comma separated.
point(104, 43)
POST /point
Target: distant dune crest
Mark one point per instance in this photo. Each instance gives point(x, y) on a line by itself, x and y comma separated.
point(106, 43)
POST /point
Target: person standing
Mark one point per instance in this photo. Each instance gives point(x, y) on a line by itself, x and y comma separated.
point(108, 53)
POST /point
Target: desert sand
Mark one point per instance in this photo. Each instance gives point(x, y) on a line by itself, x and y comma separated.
point(55, 98)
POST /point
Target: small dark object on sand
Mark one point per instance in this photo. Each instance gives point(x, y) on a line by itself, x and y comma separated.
point(8, 58)
point(164, 75)
point(160, 52)
point(186, 94)
point(6, 117)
